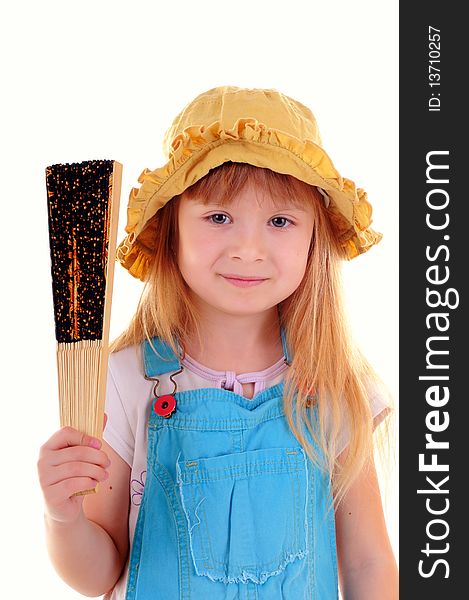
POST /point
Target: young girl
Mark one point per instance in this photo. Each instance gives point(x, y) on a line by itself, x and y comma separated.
point(238, 452)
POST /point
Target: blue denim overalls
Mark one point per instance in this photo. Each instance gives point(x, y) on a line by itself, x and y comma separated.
point(233, 508)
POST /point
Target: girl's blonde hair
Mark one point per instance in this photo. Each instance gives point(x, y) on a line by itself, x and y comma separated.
point(327, 386)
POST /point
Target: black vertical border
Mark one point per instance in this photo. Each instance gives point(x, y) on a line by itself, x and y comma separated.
point(423, 131)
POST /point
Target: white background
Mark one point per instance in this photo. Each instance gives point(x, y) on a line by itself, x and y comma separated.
point(100, 79)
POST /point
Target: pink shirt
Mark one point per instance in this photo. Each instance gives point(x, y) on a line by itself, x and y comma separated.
point(229, 380)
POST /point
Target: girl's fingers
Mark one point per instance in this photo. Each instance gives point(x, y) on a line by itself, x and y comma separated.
point(63, 457)
point(75, 454)
point(63, 490)
point(67, 437)
point(75, 471)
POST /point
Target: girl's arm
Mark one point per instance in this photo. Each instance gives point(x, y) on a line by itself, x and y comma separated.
point(367, 567)
point(87, 536)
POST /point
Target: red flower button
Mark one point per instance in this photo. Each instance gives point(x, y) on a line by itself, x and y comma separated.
point(165, 406)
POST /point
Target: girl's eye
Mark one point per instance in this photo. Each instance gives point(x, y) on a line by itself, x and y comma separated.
point(222, 219)
point(284, 219)
point(215, 221)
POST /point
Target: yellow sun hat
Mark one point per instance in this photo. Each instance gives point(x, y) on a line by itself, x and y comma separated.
point(262, 127)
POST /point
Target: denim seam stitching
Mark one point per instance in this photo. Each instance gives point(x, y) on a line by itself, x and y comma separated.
point(207, 550)
point(186, 516)
point(242, 475)
point(207, 424)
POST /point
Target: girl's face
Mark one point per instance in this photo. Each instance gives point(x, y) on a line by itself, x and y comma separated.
point(251, 238)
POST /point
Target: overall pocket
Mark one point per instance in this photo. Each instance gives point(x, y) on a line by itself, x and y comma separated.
point(246, 512)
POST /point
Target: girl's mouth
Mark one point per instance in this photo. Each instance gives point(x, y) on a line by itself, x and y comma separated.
point(241, 282)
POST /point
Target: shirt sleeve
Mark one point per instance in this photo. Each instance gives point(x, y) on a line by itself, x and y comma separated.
point(380, 407)
point(118, 432)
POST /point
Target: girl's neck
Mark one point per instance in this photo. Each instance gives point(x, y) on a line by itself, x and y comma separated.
point(239, 344)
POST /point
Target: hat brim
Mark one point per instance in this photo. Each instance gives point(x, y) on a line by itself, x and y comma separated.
point(197, 150)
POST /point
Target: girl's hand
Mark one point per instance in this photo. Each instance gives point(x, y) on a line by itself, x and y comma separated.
point(69, 462)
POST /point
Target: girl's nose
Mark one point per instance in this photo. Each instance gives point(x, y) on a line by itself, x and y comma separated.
point(248, 244)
